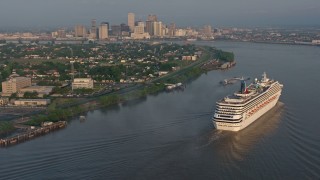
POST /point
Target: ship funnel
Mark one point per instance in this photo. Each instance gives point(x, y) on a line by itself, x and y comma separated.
point(243, 86)
point(264, 77)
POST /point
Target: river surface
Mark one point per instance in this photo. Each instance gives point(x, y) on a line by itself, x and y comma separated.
point(171, 136)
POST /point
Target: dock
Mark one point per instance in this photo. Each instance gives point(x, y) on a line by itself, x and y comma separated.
point(33, 133)
point(170, 87)
point(232, 80)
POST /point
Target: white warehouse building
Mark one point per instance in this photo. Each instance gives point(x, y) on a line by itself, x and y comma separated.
point(79, 83)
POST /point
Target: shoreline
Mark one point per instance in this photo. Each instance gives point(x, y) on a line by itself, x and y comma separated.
point(67, 112)
point(72, 41)
point(269, 42)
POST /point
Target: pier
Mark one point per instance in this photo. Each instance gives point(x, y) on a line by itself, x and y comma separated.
point(33, 133)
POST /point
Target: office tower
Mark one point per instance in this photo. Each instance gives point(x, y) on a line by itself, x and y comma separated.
point(93, 23)
point(139, 29)
point(172, 30)
point(61, 33)
point(93, 30)
point(131, 21)
point(149, 27)
point(207, 30)
point(80, 31)
point(14, 84)
point(124, 27)
point(139, 32)
point(116, 30)
point(150, 23)
point(103, 31)
point(158, 29)
point(152, 17)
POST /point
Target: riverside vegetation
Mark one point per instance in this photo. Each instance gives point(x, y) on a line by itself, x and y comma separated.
point(66, 108)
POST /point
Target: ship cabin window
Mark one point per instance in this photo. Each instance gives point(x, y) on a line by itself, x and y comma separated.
point(223, 116)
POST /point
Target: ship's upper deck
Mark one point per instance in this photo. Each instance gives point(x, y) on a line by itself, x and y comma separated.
point(244, 95)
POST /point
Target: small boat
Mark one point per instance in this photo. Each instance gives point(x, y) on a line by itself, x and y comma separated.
point(82, 118)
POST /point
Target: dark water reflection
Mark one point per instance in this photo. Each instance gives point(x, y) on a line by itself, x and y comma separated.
point(171, 136)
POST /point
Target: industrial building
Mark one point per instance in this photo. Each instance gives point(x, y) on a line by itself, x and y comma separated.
point(41, 90)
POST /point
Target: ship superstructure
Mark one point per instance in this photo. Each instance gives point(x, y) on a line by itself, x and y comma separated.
point(236, 112)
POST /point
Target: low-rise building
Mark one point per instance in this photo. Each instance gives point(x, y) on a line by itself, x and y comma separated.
point(14, 84)
point(161, 73)
point(189, 58)
point(32, 102)
point(41, 90)
point(79, 83)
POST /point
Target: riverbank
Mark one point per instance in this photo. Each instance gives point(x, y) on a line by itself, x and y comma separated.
point(61, 110)
point(270, 42)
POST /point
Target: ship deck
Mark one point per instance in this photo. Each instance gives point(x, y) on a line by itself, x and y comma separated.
point(234, 99)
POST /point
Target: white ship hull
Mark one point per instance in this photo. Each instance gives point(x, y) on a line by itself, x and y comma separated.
point(247, 121)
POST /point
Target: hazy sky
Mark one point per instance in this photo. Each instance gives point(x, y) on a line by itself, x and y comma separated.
point(59, 13)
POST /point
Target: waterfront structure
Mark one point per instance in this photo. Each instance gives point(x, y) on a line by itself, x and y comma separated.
point(315, 42)
point(32, 102)
point(103, 31)
point(79, 83)
point(131, 21)
point(244, 107)
point(80, 31)
point(14, 84)
point(41, 90)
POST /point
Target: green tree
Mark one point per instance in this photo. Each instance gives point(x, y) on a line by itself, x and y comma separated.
point(31, 95)
point(13, 96)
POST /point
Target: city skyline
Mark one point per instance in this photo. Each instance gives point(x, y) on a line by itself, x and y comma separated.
point(40, 13)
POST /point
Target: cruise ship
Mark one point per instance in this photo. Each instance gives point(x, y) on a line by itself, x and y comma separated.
point(234, 113)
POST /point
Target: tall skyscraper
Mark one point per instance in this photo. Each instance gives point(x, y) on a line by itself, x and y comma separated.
point(139, 29)
point(152, 17)
point(172, 30)
point(61, 33)
point(124, 28)
point(103, 31)
point(158, 29)
point(93, 23)
point(150, 24)
point(149, 27)
point(80, 31)
point(139, 32)
point(207, 30)
point(93, 30)
point(131, 21)
point(116, 30)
